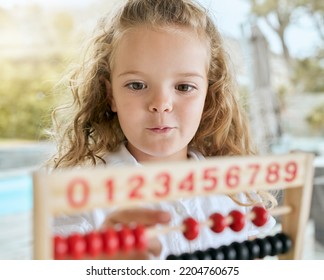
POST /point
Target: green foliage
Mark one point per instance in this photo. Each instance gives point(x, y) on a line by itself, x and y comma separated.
point(309, 73)
point(277, 14)
point(26, 97)
point(280, 14)
point(64, 25)
point(316, 118)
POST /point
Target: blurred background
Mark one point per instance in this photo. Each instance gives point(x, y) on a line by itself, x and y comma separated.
point(277, 51)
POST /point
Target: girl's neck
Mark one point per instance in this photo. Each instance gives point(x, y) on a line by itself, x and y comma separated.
point(143, 157)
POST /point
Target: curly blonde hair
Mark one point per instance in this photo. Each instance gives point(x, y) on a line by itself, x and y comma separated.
point(92, 128)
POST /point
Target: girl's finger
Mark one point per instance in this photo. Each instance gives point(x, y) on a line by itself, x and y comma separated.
point(154, 247)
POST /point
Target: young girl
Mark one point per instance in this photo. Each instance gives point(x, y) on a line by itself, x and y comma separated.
point(156, 87)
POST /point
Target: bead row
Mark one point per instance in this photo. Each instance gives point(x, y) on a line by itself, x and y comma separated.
point(247, 250)
point(235, 220)
point(108, 241)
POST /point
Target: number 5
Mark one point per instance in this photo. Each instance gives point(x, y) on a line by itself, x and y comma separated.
point(209, 175)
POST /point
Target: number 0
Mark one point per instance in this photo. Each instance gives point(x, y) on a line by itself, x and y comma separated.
point(78, 198)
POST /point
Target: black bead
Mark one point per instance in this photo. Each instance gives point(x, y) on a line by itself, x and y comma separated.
point(202, 255)
point(173, 257)
point(242, 251)
point(286, 242)
point(265, 247)
point(215, 254)
point(276, 245)
point(188, 256)
point(254, 249)
point(229, 252)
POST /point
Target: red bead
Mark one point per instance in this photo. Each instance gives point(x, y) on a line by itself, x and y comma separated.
point(191, 228)
point(94, 243)
point(110, 243)
point(261, 216)
point(219, 222)
point(77, 246)
point(126, 239)
point(140, 238)
point(238, 220)
point(60, 248)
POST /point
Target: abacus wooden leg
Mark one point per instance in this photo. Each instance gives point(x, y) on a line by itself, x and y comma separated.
point(294, 224)
point(43, 249)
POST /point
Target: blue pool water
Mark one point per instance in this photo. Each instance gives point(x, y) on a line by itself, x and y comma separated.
point(16, 194)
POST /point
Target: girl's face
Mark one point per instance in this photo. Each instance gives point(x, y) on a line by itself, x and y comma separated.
point(159, 86)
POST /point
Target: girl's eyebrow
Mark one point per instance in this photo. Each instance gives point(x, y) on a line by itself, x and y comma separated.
point(192, 74)
point(185, 74)
point(133, 72)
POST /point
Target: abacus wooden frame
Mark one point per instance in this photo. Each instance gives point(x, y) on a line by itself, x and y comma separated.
point(52, 192)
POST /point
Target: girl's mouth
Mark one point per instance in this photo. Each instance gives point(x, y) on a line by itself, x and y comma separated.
point(161, 129)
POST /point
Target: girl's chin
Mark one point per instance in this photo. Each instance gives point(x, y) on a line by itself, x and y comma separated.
point(159, 154)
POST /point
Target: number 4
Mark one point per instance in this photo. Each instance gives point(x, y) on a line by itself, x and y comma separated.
point(188, 183)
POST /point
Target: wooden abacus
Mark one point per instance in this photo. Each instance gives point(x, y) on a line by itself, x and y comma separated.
point(73, 191)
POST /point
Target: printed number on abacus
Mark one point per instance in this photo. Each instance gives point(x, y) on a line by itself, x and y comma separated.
point(205, 270)
point(164, 184)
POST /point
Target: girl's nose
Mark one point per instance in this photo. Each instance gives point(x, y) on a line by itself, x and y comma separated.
point(161, 102)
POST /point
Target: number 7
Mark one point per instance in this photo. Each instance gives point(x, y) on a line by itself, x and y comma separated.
point(255, 170)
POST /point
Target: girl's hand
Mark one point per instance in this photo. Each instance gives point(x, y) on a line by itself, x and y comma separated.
point(145, 217)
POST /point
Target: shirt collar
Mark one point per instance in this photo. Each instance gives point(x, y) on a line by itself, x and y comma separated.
point(123, 157)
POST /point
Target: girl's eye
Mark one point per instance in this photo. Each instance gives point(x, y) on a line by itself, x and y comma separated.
point(136, 86)
point(185, 87)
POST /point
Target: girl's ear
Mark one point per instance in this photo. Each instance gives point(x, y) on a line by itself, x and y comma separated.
point(110, 96)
